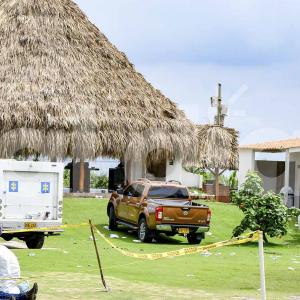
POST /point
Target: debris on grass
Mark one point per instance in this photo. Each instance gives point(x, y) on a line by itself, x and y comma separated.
point(137, 241)
point(208, 233)
point(124, 237)
point(206, 253)
point(275, 257)
point(190, 275)
point(232, 254)
point(106, 228)
point(291, 268)
point(113, 236)
point(31, 254)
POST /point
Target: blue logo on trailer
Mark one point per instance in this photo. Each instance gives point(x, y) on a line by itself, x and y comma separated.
point(13, 186)
point(45, 187)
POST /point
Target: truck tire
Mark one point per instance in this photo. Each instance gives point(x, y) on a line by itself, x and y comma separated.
point(194, 239)
point(112, 221)
point(7, 237)
point(35, 241)
point(144, 234)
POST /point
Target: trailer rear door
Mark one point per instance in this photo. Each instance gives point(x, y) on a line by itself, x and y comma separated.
point(30, 195)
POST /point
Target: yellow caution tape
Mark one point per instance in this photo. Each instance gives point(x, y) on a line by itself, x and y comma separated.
point(39, 229)
point(250, 237)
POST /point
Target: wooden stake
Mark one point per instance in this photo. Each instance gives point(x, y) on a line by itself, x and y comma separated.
point(98, 258)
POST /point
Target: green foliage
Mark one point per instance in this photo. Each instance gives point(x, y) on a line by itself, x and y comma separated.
point(66, 178)
point(233, 180)
point(262, 211)
point(99, 182)
point(202, 172)
point(293, 212)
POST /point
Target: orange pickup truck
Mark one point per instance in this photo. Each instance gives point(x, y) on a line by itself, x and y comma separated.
point(152, 207)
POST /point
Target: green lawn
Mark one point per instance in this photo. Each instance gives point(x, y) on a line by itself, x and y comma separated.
point(67, 268)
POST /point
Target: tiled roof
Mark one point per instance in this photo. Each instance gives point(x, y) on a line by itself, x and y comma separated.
point(275, 146)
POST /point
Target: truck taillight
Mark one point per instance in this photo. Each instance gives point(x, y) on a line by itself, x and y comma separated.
point(208, 216)
point(159, 213)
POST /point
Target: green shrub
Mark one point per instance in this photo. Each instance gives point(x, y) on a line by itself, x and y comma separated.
point(99, 181)
point(66, 178)
point(293, 212)
point(263, 211)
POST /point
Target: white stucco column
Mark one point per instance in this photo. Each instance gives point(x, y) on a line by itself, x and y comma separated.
point(247, 163)
point(287, 176)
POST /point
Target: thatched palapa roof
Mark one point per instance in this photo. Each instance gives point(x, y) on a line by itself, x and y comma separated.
point(67, 91)
point(217, 148)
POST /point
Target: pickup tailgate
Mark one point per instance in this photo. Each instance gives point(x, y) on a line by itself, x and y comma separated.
point(184, 213)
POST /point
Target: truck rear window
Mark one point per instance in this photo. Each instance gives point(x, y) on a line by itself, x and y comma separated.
point(167, 192)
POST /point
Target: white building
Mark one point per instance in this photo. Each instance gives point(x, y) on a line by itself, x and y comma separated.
point(276, 173)
point(164, 170)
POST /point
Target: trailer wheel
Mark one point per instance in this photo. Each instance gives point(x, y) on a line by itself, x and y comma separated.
point(35, 241)
point(7, 237)
point(194, 238)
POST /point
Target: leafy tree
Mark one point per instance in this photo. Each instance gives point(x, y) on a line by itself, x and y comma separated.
point(263, 211)
point(99, 182)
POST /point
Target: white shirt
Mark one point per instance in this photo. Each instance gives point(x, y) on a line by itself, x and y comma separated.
point(9, 268)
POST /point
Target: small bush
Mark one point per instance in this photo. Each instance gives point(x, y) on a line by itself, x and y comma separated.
point(99, 181)
point(263, 211)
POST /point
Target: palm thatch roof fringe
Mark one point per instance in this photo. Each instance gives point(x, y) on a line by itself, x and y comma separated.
point(67, 91)
point(217, 148)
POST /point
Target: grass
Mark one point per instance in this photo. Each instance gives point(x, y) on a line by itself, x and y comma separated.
point(67, 267)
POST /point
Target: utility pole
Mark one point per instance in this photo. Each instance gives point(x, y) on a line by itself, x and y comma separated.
point(219, 121)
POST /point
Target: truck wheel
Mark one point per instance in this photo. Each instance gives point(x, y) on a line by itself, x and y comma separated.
point(144, 233)
point(194, 239)
point(112, 222)
point(7, 237)
point(35, 241)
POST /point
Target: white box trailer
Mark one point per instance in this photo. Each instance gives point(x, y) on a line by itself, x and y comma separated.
point(31, 198)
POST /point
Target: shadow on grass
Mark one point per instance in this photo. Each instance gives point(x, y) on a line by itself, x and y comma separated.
point(132, 235)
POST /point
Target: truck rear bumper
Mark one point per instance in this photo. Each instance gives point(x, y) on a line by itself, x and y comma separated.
point(172, 228)
point(41, 225)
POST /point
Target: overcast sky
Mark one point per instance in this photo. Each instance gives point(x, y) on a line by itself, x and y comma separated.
point(185, 47)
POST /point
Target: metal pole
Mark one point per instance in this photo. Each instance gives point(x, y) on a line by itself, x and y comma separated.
point(287, 177)
point(262, 266)
point(219, 103)
point(98, 257)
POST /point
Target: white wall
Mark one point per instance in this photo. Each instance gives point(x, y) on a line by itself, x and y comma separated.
point(175, 171)
point(247, 163)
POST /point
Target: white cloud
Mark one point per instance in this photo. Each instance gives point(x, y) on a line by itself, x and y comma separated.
point(186, 47)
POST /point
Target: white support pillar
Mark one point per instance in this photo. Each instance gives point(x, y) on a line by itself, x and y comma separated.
point(287, 176)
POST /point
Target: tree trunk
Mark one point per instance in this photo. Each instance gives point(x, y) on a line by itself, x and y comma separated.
point(81, 176)
point(265, 237)
point(217, 184)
